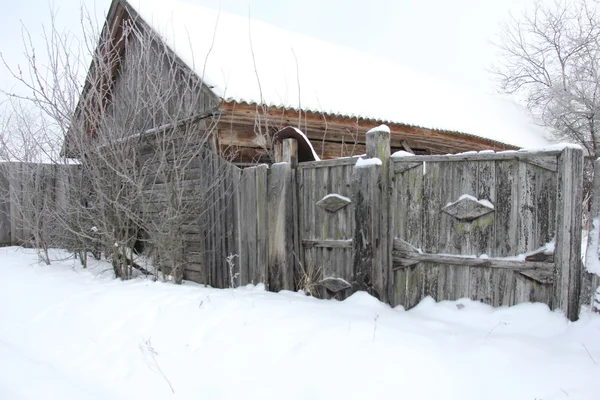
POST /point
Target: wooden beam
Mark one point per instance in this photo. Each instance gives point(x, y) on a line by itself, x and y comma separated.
point(281, 225)
point(334, 244)
point(405, 255)
point(568, 232)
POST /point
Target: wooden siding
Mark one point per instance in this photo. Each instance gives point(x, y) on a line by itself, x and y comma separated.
point(332, 136)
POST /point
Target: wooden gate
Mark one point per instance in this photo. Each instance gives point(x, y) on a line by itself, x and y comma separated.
point(502, 228)
point(326, 219)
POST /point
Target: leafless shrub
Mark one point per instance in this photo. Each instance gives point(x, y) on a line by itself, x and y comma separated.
point(140, 131)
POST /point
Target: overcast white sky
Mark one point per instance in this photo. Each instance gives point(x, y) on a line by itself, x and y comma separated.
point(442, 38)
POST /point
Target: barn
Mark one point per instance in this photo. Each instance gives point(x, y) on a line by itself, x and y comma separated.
point(253, 79)
point(187, 114)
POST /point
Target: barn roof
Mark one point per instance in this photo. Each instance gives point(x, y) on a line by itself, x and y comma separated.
point(249, 60)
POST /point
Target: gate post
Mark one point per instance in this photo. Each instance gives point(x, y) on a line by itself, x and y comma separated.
point(282, 214)
point(372, 251)
point(567, 282)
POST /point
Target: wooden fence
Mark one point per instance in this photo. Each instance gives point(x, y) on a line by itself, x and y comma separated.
point(501, 228)
point(26, 189)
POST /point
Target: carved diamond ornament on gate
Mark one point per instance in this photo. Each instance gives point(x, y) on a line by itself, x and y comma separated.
point(468, 208)
point(333, 202)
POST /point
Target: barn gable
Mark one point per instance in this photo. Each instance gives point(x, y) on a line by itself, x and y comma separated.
point(254, 79)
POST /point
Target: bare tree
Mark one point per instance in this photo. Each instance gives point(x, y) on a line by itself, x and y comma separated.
point(28, 178)
point(139, 131)
point(551, 58)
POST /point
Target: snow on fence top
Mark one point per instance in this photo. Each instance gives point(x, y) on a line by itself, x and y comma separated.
point(249, 60)
point(367, 162)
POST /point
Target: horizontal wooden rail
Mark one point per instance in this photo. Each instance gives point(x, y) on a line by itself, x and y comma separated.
point(338, 244)
point(328, 163)
point(505, 155)
point(404, 255)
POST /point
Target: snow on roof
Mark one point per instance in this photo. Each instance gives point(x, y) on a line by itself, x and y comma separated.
point(249, 60)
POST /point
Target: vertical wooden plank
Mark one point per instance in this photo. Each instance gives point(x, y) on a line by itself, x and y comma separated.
point(248, 221)
point(407, 224)
point(433, 227)
point(483, 235)
point(5, 218)
point(367, 208)
point(290, 152)
point(262, 229)
point(378, 145)
point(297, 214)
point(448, 182)
point(281, 225)
point(545, 215)
point(568, 232)
point(218, 257)
point(15, 211)
point(240, 261)
point(505, 229)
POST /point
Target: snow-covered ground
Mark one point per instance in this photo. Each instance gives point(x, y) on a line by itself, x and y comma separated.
point(68, 333)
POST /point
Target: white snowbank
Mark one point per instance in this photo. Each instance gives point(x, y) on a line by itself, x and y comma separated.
point(68, 333)
point(592, 258)
point(367, 162)
point(249, 60)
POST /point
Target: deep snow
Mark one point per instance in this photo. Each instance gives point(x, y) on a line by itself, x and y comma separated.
point(68, 333)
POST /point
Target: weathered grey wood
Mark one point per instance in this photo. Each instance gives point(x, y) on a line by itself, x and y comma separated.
point(319, 225)
point(344, 244)
point(328, 163)
point(378, 143)
point(278, 151)
point(248, 226)
point(378, 146)
point(525, 189)
point(5, 216)
point(262, 230)
point(239, 266)
point(508, 155)
point(298, 253)
point(290, 152)
point(568, 232)
point(335, 284)
point(281, 228)
point(481, 279)
point(549, 163)
point(333, 203)
point(540, 276)
point(401, 167)
point(367, 253)
point(407, 222)
point(404, 252)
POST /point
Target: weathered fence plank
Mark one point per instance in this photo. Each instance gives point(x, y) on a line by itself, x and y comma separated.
point(281, 226)
point(366, 194)
point(568, 232)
